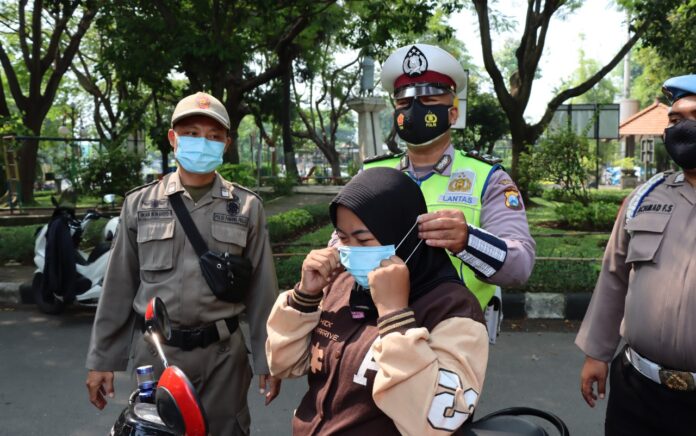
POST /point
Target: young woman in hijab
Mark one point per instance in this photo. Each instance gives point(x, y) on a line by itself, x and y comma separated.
point(391, 340)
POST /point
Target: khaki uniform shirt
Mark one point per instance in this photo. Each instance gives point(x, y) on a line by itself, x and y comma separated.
point(153, 257)
point(646, 291)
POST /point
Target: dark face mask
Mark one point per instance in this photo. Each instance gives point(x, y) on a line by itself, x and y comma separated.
point(680, 142)
point(419, 124)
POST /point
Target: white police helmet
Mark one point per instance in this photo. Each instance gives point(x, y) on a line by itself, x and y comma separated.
point(422, 69)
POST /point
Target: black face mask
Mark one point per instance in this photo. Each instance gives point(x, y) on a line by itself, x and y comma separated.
point(680, 142)
point(419, 124)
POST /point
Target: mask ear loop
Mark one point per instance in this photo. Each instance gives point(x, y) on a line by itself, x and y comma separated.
point(404, 238)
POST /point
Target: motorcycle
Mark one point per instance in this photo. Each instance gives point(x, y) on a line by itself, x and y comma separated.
point(64, 273)
point(169, 406)
point(510, 422)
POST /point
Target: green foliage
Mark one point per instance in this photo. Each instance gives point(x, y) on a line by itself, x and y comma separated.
point(605, 91)
point(282, 185)
point(115, 171)
point(605, 196)
point(651, 71)
point(288, 268)
point(558, 158)
point(486, 122)
point(596, 216)
point(670, 32)
point(286, 225)
point(563, 276)
point(17, 244)
point(242, 173)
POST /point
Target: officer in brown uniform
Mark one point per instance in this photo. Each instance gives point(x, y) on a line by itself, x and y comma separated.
point(152, 257)
point(646, 294)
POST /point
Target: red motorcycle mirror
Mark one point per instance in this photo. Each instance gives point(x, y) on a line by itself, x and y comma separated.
point(157, 319)
point(178, 404)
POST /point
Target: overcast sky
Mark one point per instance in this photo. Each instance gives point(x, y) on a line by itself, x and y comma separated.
point(603, 26)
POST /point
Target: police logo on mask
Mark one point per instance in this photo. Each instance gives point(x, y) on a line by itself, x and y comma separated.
point(415, 62)
point(430, 120)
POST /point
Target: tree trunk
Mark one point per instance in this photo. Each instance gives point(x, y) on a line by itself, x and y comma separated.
point(335, 162)
point(27, 168)
point(232, 153)
point(288, 151)
point(27, 157)
point(165, 160)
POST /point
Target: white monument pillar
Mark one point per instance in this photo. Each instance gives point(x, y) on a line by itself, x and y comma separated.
point(369, 127)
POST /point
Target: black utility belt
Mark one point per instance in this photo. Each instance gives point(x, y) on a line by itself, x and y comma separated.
point(190, 338)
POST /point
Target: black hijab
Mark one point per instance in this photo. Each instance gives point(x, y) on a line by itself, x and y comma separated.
point(389, 202)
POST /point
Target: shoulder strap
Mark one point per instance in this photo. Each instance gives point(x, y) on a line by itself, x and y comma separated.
point(192, 233)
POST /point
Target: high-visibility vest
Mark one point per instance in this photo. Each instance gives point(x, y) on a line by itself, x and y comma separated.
point(462, 190)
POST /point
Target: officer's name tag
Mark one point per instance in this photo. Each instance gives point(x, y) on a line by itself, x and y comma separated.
point(655, 208)
point(231, 219)
point(154, 214)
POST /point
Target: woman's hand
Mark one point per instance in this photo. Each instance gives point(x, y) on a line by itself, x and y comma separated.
point(390, 285)
point(318, 268)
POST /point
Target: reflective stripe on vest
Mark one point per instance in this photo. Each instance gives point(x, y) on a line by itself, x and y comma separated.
point(462, 190)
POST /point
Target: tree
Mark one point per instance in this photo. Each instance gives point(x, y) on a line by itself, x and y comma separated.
point(603, 92)
point(651, 71)
point(118, 105)
point(514, 95)
point(485, 120)
point(671, 35)
point(44, 38)
point(561, 158)
point(322, 113)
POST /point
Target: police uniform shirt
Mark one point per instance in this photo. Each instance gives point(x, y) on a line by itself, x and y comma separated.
point(152, 257)
point(498, 218)
point(646, 292)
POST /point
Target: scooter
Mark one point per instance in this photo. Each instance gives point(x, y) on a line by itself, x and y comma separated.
point(169, 406)
point(64, 273)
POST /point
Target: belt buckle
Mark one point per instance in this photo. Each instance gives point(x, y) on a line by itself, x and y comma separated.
point(677, 380)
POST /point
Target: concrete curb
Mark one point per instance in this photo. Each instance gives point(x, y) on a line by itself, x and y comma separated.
point(9, 293)
point(546, 305)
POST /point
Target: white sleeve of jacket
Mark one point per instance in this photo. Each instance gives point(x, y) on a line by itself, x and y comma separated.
point(289, 334)
point(440, 373)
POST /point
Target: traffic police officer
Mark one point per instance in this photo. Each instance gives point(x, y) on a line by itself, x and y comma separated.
point(646, 294)
point(475, 209)
point(153, 257)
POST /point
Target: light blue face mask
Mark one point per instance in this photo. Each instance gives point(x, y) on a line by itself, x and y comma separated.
point(359, 261)
point(198, 154)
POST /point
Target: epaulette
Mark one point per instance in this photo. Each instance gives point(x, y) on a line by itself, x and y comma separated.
point(487, 158)
point(382, 157)
point(244, 188)
point(642, 192)
point(154, 182)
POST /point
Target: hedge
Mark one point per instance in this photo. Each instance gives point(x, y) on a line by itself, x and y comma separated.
point(563, 276)
point(597, 216)
point(17, 242)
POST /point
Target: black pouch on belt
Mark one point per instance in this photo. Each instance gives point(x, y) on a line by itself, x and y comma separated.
point(227, 275)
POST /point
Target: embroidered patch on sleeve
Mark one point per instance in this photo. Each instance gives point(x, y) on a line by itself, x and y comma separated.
point(512, 199)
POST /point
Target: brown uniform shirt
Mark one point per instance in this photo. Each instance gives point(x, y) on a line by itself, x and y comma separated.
point(152, 257)
point(422, 377)
point(646, 291)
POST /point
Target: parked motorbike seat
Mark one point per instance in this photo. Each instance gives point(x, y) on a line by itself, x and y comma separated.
point(503, 426)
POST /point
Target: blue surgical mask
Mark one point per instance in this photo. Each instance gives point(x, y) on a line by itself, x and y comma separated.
point(198, 154)
point(359, 261)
